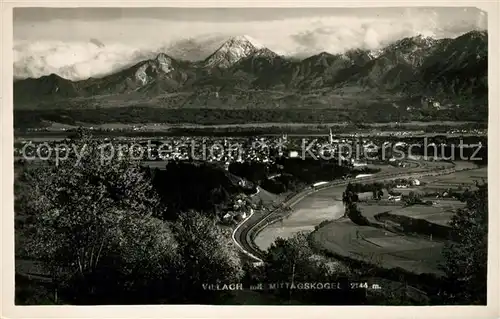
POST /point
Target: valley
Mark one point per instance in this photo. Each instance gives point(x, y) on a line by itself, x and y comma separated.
point(168, 156)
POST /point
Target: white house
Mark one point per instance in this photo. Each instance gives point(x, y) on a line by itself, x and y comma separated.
point(395, 198)
point(358, 164)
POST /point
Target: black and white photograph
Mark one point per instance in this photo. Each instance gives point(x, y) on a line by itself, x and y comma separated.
point(333, 156)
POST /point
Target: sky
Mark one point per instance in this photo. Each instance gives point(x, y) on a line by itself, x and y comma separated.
point(78, 43)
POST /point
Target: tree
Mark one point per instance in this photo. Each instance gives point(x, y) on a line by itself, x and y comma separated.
point(355, 215)
point(209, 255)
point(148, 261)
point(349, 197)
point(412, 199)
point(344, 198)
point(467, 259)
point(380, 193)
point(289, 259)
point(96, 227)
point(88, 216)
point(294, 261)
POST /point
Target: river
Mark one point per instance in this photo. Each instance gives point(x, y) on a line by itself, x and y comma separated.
point(308, 213)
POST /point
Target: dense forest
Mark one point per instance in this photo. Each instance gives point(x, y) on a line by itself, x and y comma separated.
point(207, 116)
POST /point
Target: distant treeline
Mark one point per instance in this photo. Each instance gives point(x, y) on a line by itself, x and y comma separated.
point(212, 116)
point(245, 131)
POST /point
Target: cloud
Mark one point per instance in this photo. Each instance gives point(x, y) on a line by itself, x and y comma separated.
point(77, 49)
point(196, 48)
point(98, 43)
point(72, 60)
point(79, 60)
point(339, 35)
point(306, 38)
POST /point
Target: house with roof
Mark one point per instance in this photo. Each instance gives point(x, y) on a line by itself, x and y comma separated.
point(395, 198)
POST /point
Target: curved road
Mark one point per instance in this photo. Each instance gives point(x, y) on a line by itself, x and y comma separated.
point(242, 233)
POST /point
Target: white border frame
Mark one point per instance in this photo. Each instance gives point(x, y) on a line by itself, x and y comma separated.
point(9, 310)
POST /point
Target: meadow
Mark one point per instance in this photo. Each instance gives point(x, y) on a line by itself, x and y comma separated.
point(410, 237)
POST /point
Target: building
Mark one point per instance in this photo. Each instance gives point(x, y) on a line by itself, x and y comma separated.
point(395, 198)
point(359, 164)
point(293, 154)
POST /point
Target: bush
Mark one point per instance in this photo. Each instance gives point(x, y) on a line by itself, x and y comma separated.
point(97, 230)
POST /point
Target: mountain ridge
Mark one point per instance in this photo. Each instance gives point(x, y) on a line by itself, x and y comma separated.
point(451, 69)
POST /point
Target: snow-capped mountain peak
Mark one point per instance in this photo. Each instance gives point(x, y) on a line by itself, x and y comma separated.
point(247, 38)
point(410, 50)
point(233, 50)
point(412, 44)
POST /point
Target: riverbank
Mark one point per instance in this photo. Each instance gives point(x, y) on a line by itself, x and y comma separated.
point(320, 205)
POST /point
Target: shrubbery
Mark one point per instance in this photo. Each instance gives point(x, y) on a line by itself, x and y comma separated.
point(98, 229)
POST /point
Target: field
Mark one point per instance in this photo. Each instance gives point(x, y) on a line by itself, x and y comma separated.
point(371, 209)
point(394, 239)
point(440, 213)
point(458, 179)
point(323, 205)
point(380, 247)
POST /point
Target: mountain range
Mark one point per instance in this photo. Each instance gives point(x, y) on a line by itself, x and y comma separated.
point(244, 74)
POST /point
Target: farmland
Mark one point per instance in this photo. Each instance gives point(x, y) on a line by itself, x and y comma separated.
point(379, 247)
point(408, 237)
point(457, 179)
point(439, 213)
